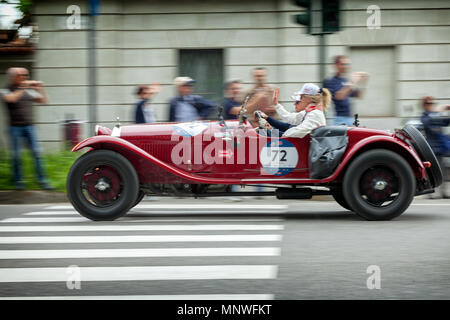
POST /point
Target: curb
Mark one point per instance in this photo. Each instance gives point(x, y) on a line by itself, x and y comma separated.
point(31, 197)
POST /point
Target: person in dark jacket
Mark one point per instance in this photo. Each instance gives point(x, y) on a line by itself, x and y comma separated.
point(232, 104)
point(342, 89)
point(144, 113)
point(433, 122)
point(187, 107)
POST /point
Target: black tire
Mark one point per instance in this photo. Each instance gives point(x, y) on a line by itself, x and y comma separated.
point(338, 196)
point(362, 191)
point(124, 185)
point(425, 153)
point(140, 196)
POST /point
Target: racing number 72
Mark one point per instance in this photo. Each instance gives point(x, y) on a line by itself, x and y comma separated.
point(282, 152)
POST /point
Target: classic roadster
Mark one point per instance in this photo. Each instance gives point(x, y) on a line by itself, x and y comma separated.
point(373, 173)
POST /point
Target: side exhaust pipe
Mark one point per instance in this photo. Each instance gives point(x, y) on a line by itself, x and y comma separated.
point(294, 193)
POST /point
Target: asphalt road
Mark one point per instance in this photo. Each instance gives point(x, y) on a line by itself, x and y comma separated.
point(215, 248)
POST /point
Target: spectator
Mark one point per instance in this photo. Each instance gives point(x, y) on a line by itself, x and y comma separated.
point(433, 122)
point(232, 103)
point(187, 107)
point(18, 98)
point(261, 96)
point(144, 113)
point(342, 90)
point(231, 108)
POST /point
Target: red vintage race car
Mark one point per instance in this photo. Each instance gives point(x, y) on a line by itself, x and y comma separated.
point(373, 173)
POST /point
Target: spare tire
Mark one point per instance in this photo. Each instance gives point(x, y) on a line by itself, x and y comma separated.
point(425, 153)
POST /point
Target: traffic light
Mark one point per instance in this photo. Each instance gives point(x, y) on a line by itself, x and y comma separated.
point(304, 18)
point(330, 16)
point(321, 16)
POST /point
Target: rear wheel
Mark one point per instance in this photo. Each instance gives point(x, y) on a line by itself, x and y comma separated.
point(379, 185)
point(338, 196)
point(102, 185)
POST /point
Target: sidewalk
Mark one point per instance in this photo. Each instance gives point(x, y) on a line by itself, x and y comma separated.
point(31, 197)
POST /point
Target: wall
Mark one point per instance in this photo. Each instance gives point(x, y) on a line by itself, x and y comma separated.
point(138, 42)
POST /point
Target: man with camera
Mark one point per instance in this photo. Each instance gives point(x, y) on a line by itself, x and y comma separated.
point(18, 98)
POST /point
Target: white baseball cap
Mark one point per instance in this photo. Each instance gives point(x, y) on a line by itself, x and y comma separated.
point(179, 81)
point(308, 88)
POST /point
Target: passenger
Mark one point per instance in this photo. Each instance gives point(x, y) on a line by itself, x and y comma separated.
point(310, 102)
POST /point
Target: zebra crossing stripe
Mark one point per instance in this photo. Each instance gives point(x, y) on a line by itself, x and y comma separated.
point(134, 227)
point(164, 212)
point(153, 297)
point(126, 219)
point(143, 238)
point(192, 206)
point(148, 273)
point(138, 253)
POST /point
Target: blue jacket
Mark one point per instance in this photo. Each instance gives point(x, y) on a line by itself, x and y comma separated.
point(341, 107)
point(203, 106)
point(229, 104)
point(433, 123)
point(139, 112)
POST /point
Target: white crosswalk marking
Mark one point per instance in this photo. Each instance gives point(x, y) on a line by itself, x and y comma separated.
point(126, 239)
point(235, 206)
point(226, 272)
point(127, 219)
point(133, 253)
point(154, 297)
point(178, 243)
point(153, 212)
point(164, 227)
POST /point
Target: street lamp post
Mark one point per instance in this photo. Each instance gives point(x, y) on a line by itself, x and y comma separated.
point(92, 63)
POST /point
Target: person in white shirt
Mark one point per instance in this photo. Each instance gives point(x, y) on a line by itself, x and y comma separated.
point(310, 102)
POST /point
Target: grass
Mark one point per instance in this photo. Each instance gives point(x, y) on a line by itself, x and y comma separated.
point(56, 166)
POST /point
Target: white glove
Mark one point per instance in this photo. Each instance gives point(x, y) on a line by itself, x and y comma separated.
point(261, 114)
point(263, 123)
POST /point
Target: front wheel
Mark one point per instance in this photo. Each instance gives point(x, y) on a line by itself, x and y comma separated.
point(102, 185)
point(379, 185)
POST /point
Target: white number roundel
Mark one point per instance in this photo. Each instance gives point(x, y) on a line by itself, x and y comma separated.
point(278, 157)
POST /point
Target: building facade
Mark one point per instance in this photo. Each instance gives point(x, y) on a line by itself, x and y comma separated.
point(139, 42)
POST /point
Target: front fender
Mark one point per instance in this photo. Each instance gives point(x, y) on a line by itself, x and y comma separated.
point(385, 142)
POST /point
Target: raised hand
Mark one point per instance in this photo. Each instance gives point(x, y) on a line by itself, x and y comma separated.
point(275, 96)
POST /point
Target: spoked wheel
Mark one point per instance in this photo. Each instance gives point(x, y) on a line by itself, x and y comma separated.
point(102, 185)
point(379, 185)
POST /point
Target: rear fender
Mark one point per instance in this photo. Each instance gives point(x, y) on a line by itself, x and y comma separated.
point(383, 142)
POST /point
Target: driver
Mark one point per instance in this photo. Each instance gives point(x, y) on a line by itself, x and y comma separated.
point(310, 102)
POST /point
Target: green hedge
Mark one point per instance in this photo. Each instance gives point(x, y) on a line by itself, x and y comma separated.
point(56, 165)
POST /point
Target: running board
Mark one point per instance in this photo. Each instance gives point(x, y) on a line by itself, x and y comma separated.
point(426, 191)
